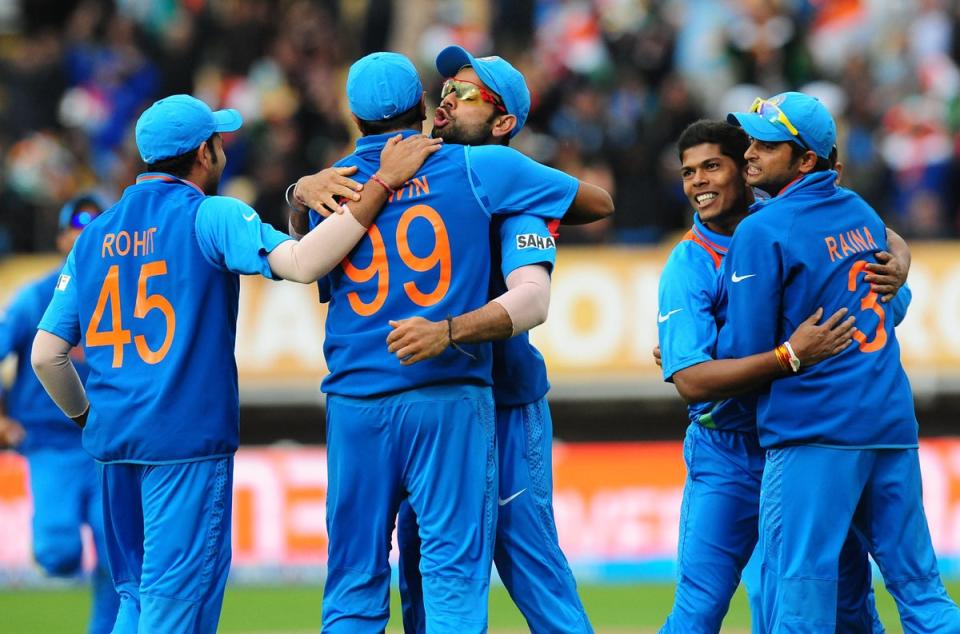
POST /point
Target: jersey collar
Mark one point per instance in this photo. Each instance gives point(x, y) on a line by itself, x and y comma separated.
point(155, 177)
point(718, 241)
point(377, 141)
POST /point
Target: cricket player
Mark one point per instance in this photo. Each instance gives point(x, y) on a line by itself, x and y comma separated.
point(527, 551)
point(63, 478)
point(151, 289)
point(429, 425)
point(723, 456)
point(840, 436)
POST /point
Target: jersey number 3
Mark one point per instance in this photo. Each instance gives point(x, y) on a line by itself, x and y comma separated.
point(117, 336)
point(869, 302)
point(439, 256)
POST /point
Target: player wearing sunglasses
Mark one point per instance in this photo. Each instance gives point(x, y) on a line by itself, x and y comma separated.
point(485, 101)
point(63, 477)
point(840, 436)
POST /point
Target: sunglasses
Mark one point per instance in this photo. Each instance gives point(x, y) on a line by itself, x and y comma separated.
point(469, 91)
point(772, 113)
point(80, 218)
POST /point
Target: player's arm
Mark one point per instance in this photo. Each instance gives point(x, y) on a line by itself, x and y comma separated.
point(889, 273)
point(723, 378)
point(51, 362)
point(400, 160)
point(323, 189)
point(506, 182)
point(591, 203)
point(232, 237)
point(523, 306)
point(57, 333)
point(528, 251)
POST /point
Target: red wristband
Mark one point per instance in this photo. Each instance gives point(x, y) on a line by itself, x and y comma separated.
point(382, 183)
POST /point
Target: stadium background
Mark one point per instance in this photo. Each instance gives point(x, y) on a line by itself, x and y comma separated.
point(613, 83)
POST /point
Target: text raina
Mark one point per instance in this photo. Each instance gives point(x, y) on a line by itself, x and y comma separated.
point(849, 242)
point(135, 243)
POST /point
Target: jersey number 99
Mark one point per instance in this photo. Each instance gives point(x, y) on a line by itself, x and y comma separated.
point(117, 336)
point(379, 267)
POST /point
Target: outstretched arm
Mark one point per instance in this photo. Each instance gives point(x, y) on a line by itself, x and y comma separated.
point(591, 203)
point(321, 249)
point(523, 306)
point(724, 378)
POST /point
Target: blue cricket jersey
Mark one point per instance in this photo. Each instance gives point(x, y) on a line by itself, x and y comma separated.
point(26, 401)
point(690, 316)
point(804, 249)
point(427, 254)
point(151, 288)
point(519, 371)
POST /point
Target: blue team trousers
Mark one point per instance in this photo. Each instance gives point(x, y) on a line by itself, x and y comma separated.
point(168, 542)
point(435, 448)
point(811, 498)
point(66, 495)
point(527, 550)
point(718, 533)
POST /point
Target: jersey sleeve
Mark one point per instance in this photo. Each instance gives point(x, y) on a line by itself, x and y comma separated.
point(507, 182)
point(62, 317)
point(686, 324)
point(232, 237)
point(900, 303)
point(752, 280)
point(525, 240)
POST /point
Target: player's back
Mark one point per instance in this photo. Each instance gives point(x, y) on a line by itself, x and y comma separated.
point(860, 397)
point(427, 254)
point(158, 323)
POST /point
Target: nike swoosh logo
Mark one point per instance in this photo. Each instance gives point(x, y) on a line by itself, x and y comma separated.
point(663, 318)
point(739, 278)
point(252, 215)
point(510, 499)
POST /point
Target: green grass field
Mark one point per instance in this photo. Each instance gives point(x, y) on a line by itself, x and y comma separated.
point(296, 610)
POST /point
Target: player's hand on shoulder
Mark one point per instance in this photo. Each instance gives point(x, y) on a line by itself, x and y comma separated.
point(813, 342)
point(11, 432)
point(886, 275)
point(320, 191)
point(401, 158)
point(417, 339)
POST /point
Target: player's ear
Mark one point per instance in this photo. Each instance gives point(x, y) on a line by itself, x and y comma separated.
point(504, 125)
point(808, 162)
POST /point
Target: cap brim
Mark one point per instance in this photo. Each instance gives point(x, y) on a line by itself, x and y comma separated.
point(759, 128)
point(452, 59)
point(227, 120)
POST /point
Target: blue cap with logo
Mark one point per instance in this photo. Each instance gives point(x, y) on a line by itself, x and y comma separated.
point(790, 116)
point(497, 73)
point(177, 124)
point(382, 85)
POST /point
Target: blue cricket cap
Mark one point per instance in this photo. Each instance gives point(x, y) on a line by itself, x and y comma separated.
point(498, 74)
point(382, 85)
point(813, 122)
point(80, 210)
point(177, 124)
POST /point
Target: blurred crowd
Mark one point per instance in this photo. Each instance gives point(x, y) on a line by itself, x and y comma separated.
point(613, 84)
